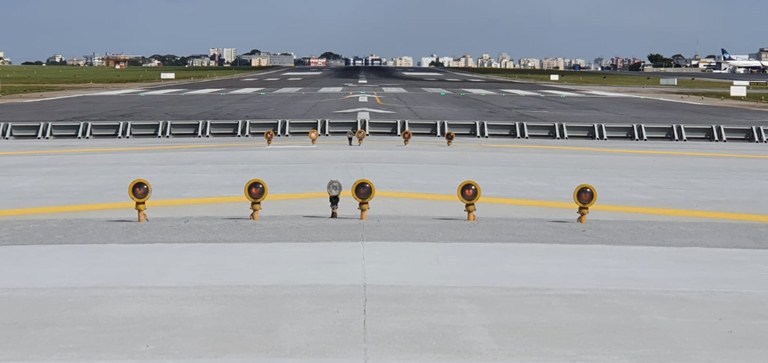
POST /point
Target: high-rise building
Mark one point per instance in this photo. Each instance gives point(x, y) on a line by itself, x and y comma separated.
point(229, 55)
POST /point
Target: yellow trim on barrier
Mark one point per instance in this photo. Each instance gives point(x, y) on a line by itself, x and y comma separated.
point(629, 151)
point(687, 213)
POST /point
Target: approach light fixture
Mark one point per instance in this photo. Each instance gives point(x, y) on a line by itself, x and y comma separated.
point(140, 190)
point(360, 136)
point(363, 190)
point(407, 135)
point(269, 135)
point(469, 193)
point(313, 135)
point(449, 136)
point(334, 192)
point(256, 190)
point(585, 196)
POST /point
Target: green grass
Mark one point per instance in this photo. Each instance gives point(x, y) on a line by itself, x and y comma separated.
point(751, 97)
point(607, 78)
point(25, 79)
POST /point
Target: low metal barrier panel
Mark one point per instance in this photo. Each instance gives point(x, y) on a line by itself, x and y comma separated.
point(582, 131)
point(184, 129)
point(655, 132)
point(502, 129)
point(258, 127)
point(32, 130)
point(697, 132)
point(223, 128)
point(629, 132)
point(546, 130)
point(463, 128)
point(424, 127)
point(383, 127)
point(144, 129)
point(301, 126)
point(113, 129)
point(340, 127)
point(71, 130)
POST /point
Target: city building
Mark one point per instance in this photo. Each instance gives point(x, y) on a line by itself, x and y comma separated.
point(426, 61)
point(201, 60)
point(314, 62)
point(530, 63)
point(486, 61)
point(553, 63)
point(56, 58)
point(256, 60)
point(229, 55)
point(152, 63)
point(465, 61)
point(505, 61)
point(79, 62)
point(281, 59)
point(94, 60)
point(403, 61)
point(117, 60)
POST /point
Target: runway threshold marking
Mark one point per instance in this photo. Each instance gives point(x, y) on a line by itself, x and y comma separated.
point(688, 213)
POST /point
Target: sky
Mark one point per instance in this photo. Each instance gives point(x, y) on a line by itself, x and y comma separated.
point(36, 29)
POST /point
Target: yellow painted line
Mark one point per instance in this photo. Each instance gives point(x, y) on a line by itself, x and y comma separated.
point(143, 148)
point(378, 100)
point(687, 213)
point(629, 151)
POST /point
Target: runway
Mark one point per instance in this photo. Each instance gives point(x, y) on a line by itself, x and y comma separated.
point(413, 94)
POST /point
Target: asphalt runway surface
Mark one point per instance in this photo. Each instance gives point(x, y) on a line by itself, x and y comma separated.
point(670, 266)
point(389, 93)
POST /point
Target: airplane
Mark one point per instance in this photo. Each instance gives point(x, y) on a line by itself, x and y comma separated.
point(743, 63)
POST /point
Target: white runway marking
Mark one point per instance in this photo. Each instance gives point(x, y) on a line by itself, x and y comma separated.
point(250, 79)
point(302, 73)
point(163, 91)
point(479, 91)
point(476, 80)
point(363, 99)
point(243, 91)
point(606, 94)
point(521, 92)
point(288, 90)
point(394, 90)
point(203, 91)
point(362, 81)
point(294, 79)
point(562, 93)
point(272, 79)
point(423, 74)
point(330, 90)
point(117, 92)
point(436, 90)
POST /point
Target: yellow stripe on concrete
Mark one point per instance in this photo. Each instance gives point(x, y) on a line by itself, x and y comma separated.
point(147, 148)
point(686, 213)
point(629, 151)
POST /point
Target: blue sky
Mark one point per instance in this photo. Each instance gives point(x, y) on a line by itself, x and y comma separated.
point(36, 29)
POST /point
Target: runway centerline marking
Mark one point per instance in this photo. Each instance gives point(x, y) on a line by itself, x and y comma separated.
point(689, 213)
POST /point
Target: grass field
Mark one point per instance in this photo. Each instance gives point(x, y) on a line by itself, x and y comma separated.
point(26, 79)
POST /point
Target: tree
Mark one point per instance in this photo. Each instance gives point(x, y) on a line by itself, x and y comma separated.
point(635, 67)
point(658, 60)
point(253, 52)
point(30, 63)
point(330, 56)
point(436, 63)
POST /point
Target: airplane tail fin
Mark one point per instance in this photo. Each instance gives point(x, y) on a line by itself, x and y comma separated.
point(726, 55)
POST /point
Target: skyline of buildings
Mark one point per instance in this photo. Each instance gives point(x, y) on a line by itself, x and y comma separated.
point(219, 56)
